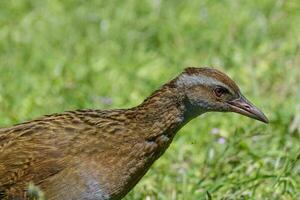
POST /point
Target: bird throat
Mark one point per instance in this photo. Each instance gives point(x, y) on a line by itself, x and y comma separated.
point(161, 116)
point(153, 126)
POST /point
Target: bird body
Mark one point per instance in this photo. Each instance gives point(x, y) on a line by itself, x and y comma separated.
point(102, 154)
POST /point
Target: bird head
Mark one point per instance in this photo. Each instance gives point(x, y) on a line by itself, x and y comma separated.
point(208, 89)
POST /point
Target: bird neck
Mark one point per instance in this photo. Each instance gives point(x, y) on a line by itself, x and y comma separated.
point(153, 125)
point(166, 111)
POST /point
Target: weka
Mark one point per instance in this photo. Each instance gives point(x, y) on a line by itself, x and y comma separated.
point(102, 154)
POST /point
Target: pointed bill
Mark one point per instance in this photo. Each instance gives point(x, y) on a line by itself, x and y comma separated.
point(245, 107)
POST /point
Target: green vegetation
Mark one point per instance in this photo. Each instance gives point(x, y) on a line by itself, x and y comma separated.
point(64, 55)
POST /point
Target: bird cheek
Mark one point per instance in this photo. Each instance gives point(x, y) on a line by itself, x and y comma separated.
point(226, 108)
point(222, 106)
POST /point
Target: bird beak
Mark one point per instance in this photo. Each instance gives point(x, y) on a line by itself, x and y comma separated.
point(245, 107)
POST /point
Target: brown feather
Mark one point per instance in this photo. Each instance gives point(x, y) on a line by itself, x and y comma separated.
point(94, 154)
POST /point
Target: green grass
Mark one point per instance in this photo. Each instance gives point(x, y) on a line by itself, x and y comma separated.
point(64, 55)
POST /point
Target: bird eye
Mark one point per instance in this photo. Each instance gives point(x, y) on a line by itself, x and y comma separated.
point(219, 91)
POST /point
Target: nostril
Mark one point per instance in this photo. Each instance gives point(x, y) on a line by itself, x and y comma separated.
point(247, 107)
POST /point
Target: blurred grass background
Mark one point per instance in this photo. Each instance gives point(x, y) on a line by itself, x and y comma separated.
point(64, 55)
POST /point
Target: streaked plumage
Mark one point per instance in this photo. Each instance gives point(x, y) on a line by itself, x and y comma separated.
point(95, 154)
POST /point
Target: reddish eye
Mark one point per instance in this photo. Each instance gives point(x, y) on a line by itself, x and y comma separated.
point(219, 91)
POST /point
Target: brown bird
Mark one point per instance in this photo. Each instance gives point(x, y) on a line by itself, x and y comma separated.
point(102, 154)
